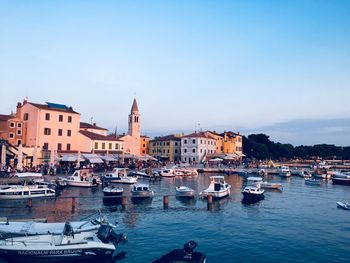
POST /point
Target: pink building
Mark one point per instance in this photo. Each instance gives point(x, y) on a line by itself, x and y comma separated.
point(49, 126)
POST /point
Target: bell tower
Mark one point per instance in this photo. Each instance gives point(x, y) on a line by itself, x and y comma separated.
point(134, 121)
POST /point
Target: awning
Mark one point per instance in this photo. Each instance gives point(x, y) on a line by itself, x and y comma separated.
point(216, 160)
point(110, 158)
point(71, 158)
point(93, 158)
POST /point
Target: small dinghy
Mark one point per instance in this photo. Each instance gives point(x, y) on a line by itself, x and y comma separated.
point(267, 185)
point(184, 255)
point(312, 181)
point(67, 247)
point(345, 205)
point(184, 191)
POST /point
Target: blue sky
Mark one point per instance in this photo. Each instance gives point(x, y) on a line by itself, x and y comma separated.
point(246, 66)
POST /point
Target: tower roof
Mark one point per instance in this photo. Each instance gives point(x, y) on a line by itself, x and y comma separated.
point(134, 106)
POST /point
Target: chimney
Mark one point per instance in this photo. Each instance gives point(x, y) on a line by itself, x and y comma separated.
point(94, 124)
point(19, 110)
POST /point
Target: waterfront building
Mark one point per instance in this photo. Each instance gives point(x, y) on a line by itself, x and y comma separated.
point(228, 143)
point(11, 129)
point(84, 126)
point(49, 126)
point(196, 146)
point(97, 143)
point(132, 140)
point(167, 148)
point(144, 145)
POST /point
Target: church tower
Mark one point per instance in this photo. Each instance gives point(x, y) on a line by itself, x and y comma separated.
point(134, 121)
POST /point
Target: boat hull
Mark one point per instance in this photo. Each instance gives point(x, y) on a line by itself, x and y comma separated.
point(55, 255)
point(345, 181)
point(18, 197)
point(142, 194)
point(252, 197)
point(216, 195)
point(343, 206)
point(81, 184)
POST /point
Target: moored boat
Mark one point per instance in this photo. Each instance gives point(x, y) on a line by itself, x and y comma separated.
point(141, 191)
point(110, 191)
point(343, 205)
point(341, 178)
point(313, 181)
point(25, 191)
point(305, 174)
point(167, 173)
point(269, 185)
point(67, 247)
point(184, 191)
point(284, 171)
point(253, 193)
point(218, 188)
point(83, 178)
point(119, 175)
point(186, 254)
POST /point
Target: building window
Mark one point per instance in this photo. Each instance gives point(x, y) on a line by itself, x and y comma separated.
point(19, 132)
point(60, 132)
point(185, 159)
point(19, 125)
point(168, 151)
point(185, 150)
point(117, 146)
point(154, 144)
point(144, 145)
point(110, 146)
point(12, 125)
point(47, 116)
point(143, 151)
point(46, 146)
point(60, 118)
point(175, 143)
point(193, 141)
point(69, 133)
point(175, 151)
point(194, 150)
point(19, 142)
point(47, 131)
point(168, 143)
point(25, 116)
point(59, 147)
point(185, 141)
point(96, 145)
point(69, 118)
point(68, 146)
point(103, 146)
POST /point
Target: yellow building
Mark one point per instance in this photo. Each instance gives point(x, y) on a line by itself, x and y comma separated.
point(167, 148)
point(228, 143)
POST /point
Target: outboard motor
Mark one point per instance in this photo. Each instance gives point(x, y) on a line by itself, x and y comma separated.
point(107, 234)
point(189, 247)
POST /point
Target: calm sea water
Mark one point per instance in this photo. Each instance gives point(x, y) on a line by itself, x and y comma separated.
point(299, 224)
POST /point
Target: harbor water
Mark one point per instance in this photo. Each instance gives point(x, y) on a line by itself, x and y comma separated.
point(301, 223)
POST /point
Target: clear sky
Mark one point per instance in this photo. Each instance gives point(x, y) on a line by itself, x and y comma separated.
point(246, 66)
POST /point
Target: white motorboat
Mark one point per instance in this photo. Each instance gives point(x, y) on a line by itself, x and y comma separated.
point(25, 191)
point(341, 178)
point(167, 173)
point(305, 174)
point(218, 188)
point(141, 191)
point(67, 247)
point(343, 205)
point(29, 175)
point(30, 228)
point(109, 191)
point(178, 173)
point(253, 193)
point(83, 178)
point(119, 175)
point(262, 172)
point(284, 171)
point(313, 181)
point(184, 191)
point(189, 172)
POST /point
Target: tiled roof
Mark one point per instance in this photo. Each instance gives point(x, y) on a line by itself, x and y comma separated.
point(85, 125)
point(171, 137)
point(230, 134)
point(98, 137)
point(4, 117)
point(199, 135)
point(51, 106)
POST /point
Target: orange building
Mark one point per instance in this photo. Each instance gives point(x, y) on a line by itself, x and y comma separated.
point(144, 146)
